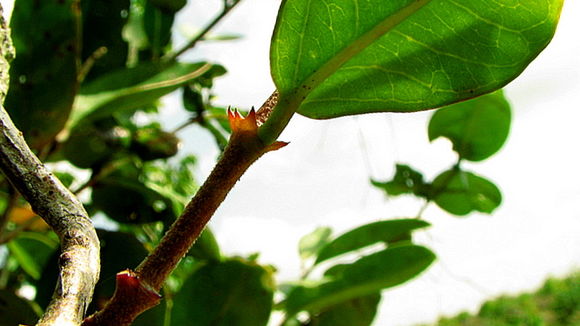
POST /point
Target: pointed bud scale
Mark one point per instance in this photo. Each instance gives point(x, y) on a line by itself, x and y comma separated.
point(240, 124)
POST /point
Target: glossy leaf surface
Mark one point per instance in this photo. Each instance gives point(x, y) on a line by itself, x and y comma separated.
point(369, 234)
point(366, 276)
point(460, 193)
point(346, 57)
point(477, 128)
point(231, 293)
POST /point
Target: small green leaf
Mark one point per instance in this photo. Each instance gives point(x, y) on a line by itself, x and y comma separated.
point(310, 244)
point(230, 293)
point(477, 128)
point(132, 88)
point(356, 312)
point(460, 192)
point(383, 231)
point(366, 276)
point(342, 57)
point(158, 25)
point(15, 311)
point(405, 181)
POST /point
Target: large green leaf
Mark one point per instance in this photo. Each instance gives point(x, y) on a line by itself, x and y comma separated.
point(132, 88)
point(366, 276)
point(97, 14)
point(356, 312)
point(342, 57)
point(460, 192)
point(369, 234)
point(477, 128)
point(43, 79)
point(230, 293)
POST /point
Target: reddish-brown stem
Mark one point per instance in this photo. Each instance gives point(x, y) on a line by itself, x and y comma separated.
point(244, 148)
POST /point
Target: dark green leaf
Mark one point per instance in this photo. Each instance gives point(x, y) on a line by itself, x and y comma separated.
point(170, 6)
point(356, 312)
point(43, 79)
point(144, 200)
point(151, 143)
point(345, 57)
point(460, 192)
point(477, 128)
point(366, 235)
point(206, 247)
point(405, 181)
point(132, 88)
point(15, 310)
point(96, 15)
point(89, 145)
point(311, 243)
point(230, 293)
point(193, 100)
point(364, 277)
point(158, 25)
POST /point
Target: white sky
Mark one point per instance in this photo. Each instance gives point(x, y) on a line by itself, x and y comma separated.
point(321, 178)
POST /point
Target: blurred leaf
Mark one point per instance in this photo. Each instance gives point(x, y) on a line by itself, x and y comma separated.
point(151, 143)
point(460, 192)
point(89, 145)
point(311, 243)
point(356, 312)
point(158, 25)
point(383, 231)
point(477, 128)
point(32, 251)
point(347, 57)
point(364, 277)
point(171, 6)
point(206, 247)
point(96, 15)
point(140, 203)
point(193, 100)
point(134, 32)
point(44, 73)
point(405, 181)
point(15, 310)
point(230, 293)
point(132, 88)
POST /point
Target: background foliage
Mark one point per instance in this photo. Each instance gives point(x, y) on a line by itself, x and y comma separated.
point(93, 107)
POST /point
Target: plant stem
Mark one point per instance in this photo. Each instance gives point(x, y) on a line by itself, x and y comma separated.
point(79, 259)
point(226, 9)
point(243, 149)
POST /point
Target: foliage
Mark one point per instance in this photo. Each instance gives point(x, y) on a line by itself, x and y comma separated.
point(82, 108)
point(557, 303)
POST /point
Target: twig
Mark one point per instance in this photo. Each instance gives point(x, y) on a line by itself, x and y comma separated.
point(226, 9)
point(243, 149)
point(49, 198)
